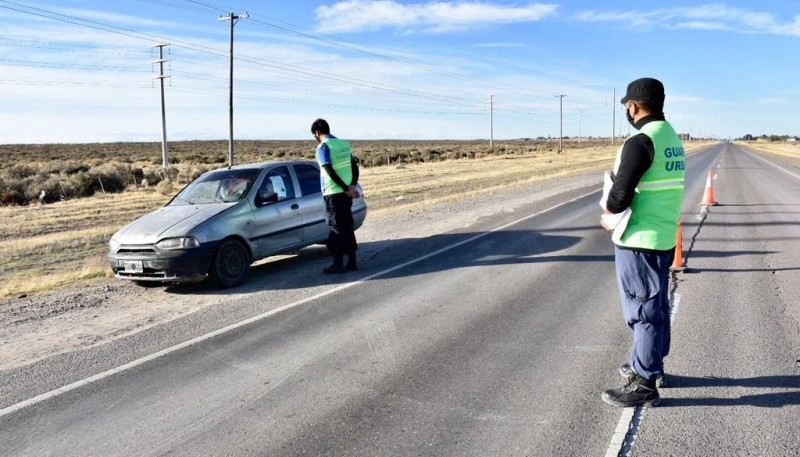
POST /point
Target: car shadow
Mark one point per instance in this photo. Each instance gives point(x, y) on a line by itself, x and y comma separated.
point(304, 269)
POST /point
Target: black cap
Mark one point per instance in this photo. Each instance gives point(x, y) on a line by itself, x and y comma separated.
point(646, 90)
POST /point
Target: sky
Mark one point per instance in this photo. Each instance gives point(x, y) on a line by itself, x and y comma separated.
point(81, 71)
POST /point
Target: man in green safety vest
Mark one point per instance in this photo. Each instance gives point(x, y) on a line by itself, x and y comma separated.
point(648, 179)
point(338, 176)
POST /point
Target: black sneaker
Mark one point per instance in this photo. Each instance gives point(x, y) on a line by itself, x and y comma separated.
point(638, 391)
point(334, 270)
point(626, 371)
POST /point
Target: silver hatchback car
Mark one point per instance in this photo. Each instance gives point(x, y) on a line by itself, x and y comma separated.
point(223, 221)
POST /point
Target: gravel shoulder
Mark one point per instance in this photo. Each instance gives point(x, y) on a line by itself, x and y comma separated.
point(76, 318)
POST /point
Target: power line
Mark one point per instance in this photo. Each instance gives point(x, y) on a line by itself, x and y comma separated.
point(289, 101)
point(212, 51)
point(16, 82)
point(297, 73)
point(343, 44)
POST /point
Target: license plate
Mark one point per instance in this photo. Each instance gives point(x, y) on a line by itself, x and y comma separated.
point(132, 266)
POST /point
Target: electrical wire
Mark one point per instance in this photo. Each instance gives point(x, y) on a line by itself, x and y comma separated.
point(396, 95)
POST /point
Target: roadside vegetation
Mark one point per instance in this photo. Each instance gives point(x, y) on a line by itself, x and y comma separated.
point(57, 172)
point(50, 242)
point(785, 150)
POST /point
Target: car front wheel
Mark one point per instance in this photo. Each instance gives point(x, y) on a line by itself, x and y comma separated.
point(231, 264)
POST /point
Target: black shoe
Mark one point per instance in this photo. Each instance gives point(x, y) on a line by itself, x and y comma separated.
point(351, 261)
point(334, 269)
point(638, 391)
point(626, 371)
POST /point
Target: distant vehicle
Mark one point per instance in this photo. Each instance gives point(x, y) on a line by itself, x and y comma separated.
point(223, 221)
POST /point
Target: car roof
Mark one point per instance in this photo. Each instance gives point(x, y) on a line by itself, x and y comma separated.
point(261, 165)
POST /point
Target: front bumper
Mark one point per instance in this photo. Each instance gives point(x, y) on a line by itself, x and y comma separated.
point(148, 263)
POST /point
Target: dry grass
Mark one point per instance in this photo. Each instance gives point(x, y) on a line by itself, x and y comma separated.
point(455, 179)
point(790, 151)
point(48, 246)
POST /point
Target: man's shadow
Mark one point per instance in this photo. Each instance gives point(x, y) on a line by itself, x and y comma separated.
point(767, 400)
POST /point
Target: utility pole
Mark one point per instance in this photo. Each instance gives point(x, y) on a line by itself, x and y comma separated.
point(233, 18)
point(161, 76)
point(580, 123)
point(561, 121)
point(491, 121)
point(613, 117)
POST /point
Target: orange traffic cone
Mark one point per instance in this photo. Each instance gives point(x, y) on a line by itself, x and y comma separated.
point(708, 195)
point(677, 263)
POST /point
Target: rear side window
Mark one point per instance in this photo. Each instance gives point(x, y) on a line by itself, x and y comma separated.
point(308, 175)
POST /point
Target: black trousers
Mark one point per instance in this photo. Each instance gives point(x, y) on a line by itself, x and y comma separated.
point(342, 237)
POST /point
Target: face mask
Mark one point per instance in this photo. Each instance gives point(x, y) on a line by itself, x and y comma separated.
point(630, 119)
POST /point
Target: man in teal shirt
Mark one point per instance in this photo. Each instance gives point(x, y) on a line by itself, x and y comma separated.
point(338, 176)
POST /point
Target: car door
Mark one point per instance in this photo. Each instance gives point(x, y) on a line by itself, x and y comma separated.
point(311, 204)
point(277, 225)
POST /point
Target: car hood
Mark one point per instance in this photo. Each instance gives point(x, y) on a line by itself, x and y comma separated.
point(168, 222)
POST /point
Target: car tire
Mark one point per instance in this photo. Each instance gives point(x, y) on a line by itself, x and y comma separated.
point(231, 264)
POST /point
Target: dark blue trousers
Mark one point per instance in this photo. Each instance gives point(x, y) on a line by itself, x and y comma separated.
point(643, 280)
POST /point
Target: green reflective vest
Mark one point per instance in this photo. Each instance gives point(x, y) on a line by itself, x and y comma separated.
point(656, 206)
point(341, 156)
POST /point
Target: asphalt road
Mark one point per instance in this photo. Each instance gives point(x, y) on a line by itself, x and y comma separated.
point(492, 342)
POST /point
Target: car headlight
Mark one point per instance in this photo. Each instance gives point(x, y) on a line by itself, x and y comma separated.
point(172, 244)
point(113, 245)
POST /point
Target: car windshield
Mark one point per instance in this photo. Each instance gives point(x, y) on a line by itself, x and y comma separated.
point(223, 186)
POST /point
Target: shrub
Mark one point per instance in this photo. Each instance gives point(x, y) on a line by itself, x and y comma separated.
point(51, 190)
point(54, 167)
point(11, 193)
point(173, 160)
point(21, 171)
point(111, 183)
point(165, 187)
point(81, 185)
point(152, 177)
point(138, 176)
point(87, 184)
point(189, 174)
point(77, 168)
point(123, 172)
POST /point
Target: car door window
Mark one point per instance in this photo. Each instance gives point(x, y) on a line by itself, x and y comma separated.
point(308, 176)
point(279, 181)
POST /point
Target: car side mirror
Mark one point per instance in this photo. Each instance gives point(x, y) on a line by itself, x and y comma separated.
point(265, 196)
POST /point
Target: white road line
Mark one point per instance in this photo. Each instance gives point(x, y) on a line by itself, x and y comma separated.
point(676, 300)
point(85, 382)
point(621, 433)
point(627, 428)
point(775, 165)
